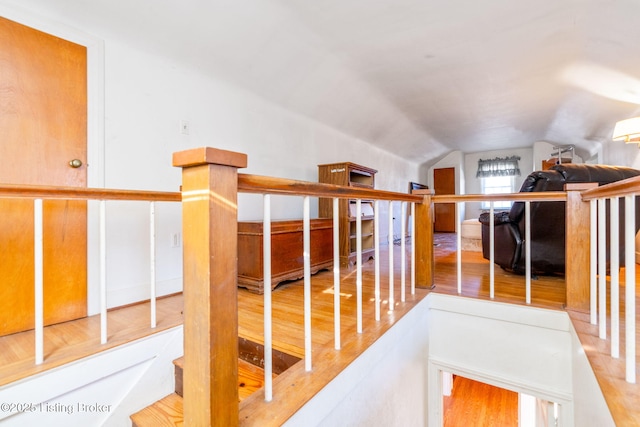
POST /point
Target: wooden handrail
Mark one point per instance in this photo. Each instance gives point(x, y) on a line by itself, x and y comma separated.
point(544, 196)
point(577, 232)
point(210, 184)
point(266, 184)
point(51, 192)
point(618, 188)
point(246, 184)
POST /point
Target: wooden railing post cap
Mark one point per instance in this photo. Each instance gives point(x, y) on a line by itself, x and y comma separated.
point(423, 192)
point(208, 155)
point(580, 186)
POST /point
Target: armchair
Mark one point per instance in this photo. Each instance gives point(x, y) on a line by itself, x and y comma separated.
point(547, 219)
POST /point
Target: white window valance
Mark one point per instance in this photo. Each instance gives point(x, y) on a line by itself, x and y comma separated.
point(500, 166)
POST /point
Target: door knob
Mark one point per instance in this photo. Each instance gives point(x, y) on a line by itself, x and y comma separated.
point(75, 163)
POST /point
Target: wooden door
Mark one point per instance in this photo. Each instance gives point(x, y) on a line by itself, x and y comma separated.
point(444, 182)
point(43, 123)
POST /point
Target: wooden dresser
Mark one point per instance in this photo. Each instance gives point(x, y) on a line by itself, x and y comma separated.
point(286, 251)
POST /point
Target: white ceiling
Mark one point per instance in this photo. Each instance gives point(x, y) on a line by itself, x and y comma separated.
point(415, 77)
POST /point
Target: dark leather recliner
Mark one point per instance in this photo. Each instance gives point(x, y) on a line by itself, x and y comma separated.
point(547, 219)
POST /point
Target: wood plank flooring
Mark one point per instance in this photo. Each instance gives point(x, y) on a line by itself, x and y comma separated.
point(73, 340)
point(546, 291)
point(622, 397)
point(69, 341)
point(472, 400)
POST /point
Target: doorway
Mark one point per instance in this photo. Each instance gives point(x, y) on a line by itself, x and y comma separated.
point(473, 402)
point(444, 182)
point(43, 118)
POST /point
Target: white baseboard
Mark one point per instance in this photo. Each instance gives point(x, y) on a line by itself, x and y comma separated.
point(124, 296)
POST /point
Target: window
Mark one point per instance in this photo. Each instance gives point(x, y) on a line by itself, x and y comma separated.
point(498, 185)
point(497, 177)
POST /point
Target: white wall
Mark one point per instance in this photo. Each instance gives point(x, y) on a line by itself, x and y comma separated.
point(473, 184)
point(385, 386)
point(530, 160)
point(620, 154)
point(542, 151)
point(146, 96)
point(466, 166)
point(523, 349)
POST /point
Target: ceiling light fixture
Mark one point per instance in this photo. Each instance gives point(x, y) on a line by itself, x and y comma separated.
point(628, 131)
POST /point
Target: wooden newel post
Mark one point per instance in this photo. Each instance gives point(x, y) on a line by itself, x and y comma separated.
point(577, 247)
point(210, 255)
point(425, 259)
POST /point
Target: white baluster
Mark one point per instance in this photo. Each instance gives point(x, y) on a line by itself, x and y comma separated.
point(267, 315)
point(403, 255)
point(392, 301)
point(614, 244)
point(359, 266)
point(103, 272)
point(527, 243)
point(376, 239)
point(593, 262)
point(306, 256)
point(630, 287)
point(492, 266)
point(459, 247)
point(336, 273)
point(39, 280)
point(602, 269)
point(152, 259)
point(413, 248)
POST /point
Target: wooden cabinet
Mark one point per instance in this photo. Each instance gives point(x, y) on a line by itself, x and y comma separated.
point(353, 175)
point(286, 251)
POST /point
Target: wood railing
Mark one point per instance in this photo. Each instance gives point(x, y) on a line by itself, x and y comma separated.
point(212, 182)
point(597, 198)
point(210, 187)
point(577, 215)
point(40, 193)
point(585, 254)
point(527, 198)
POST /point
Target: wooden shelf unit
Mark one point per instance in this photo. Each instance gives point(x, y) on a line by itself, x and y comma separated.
point(353, 175)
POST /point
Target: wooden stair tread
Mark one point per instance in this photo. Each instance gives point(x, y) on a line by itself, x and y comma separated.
point(168, 411)
point(250, 379)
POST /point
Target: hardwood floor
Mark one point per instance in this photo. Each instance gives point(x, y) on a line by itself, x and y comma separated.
point(546, 291)
point(73, 340)
point(69, 341)
point(475, 403)
point(623, 398)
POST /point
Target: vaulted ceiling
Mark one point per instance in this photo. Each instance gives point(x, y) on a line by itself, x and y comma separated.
point(419, 78)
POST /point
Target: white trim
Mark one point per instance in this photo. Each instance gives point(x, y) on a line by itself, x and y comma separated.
point(497, 380)
point(438, 367)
